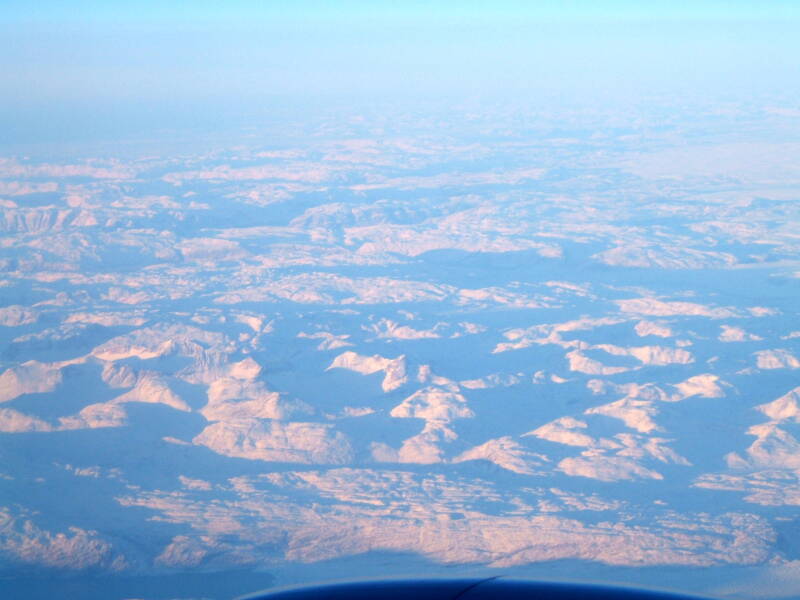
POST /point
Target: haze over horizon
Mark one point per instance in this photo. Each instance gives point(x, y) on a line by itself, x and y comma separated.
point(108, 70)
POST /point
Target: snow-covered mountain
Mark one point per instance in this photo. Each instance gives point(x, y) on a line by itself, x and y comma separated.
point(483, 350)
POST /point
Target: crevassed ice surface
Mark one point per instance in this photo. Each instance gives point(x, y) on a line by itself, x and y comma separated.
point(468, 344)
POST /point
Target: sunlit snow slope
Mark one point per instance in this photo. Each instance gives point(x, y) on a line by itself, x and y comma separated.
point(486, 342)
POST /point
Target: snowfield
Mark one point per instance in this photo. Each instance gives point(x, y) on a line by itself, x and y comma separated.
point(335, 347)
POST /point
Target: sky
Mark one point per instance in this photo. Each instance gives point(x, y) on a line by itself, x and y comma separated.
point(111, 68)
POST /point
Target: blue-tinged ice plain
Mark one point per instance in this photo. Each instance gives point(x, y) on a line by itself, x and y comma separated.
point(469, 344)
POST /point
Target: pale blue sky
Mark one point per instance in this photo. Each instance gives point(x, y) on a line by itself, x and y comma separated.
point(347, 10)
point(134, 65)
